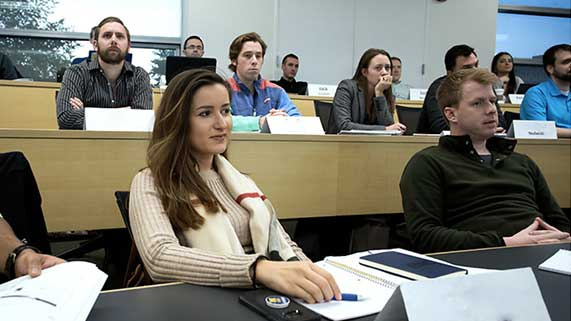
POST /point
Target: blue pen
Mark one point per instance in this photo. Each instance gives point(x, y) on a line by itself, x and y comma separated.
point(352, 297)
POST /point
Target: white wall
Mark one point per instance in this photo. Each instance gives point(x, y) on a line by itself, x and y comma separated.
point(321, 33)
point(396, 26)
point(456, 22)
point(329, 36)
point(218, 22)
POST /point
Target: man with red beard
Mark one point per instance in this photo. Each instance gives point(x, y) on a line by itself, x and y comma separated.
point(108, 81)
point(473, 190)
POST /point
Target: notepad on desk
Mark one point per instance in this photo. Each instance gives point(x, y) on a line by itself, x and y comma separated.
point(560, 262)
point(371, 132)
point(352, 277)
point(65, 292)
point(409, 266)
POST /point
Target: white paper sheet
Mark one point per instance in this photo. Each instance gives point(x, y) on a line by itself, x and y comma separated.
point(376, 285)
point(65, 292)
point(119, 119)
point(560, 262)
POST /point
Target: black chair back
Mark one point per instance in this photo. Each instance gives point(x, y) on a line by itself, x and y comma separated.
point(122, 199)
point(409, 117)
point(323, 111)
point(135, 274)
point(509, 117)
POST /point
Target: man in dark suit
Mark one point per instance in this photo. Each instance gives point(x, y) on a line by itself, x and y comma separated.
point(7, 68)
point(290, 66)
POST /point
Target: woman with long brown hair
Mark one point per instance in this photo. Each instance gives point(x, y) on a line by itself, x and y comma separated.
point(195, 218)
point(366, 101)
point(503, 67)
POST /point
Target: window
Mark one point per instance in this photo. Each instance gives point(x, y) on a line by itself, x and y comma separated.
point(526, 36)
point(526, 28)
point(43, 36)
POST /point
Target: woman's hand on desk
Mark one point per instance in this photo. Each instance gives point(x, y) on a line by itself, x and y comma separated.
point(76, 103)
point(303, 280)
point(538, 232)
point(396, 126)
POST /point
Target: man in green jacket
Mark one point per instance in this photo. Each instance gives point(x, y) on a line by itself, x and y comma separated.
point(473, 190)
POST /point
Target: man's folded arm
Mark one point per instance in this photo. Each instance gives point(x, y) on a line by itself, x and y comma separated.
point(71, 87)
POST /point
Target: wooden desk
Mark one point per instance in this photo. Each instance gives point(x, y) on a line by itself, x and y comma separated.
point(170, 301)
point(305, 104)
point(304, 176)
point(32, 104)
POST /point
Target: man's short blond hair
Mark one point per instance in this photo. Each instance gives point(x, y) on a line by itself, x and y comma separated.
point(450, 91)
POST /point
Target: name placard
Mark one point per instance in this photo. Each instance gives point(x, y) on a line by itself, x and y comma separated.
point(293, 125)
point(119, 119)
point(321, 90)
point(506, 295)
point(533, 129)
point(516, 98)
point(418, 93)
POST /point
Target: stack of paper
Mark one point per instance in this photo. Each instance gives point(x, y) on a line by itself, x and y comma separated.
point(352, 277)
point(560, 262)
point(65, 292)
point(371, 132)
point(119, 119)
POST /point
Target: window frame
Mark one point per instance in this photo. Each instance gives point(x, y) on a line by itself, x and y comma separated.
point(136, 41)
point(535, 11)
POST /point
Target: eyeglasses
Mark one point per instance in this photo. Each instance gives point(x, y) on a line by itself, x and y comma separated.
point(192, 47)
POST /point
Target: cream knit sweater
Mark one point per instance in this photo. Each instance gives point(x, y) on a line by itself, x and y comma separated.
point(168, 257)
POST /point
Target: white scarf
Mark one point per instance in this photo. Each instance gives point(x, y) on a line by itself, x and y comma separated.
point(218, 235)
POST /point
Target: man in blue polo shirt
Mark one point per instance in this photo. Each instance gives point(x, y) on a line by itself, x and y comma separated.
point(253, 95)
point(550, 100)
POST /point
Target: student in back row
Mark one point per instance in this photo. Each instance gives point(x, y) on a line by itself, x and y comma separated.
point(193, 47)
point(431, 120)
point(551, 100)
point(7, 68)
point(108, 81)
point(252, 95)
point(473, 190)
point(400, 89)
point(290, 66)
point(503, 67)
point(366, 102)
point(195, 218)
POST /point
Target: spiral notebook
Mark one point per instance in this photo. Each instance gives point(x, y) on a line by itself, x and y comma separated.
point(352, 277)
point(375, 284)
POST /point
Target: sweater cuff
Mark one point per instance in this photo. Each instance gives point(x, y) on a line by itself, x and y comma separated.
point(236, 270)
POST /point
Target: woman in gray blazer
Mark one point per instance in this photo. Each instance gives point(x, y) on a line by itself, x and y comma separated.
point(366, 101)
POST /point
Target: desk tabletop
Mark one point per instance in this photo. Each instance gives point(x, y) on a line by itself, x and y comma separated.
point(180, 301)
point(555, 288)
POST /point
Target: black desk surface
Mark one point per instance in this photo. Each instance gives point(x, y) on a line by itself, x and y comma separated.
point(190, 302)
point(555, 288)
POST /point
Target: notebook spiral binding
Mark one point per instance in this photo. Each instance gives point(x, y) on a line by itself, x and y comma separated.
point(367, 276)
